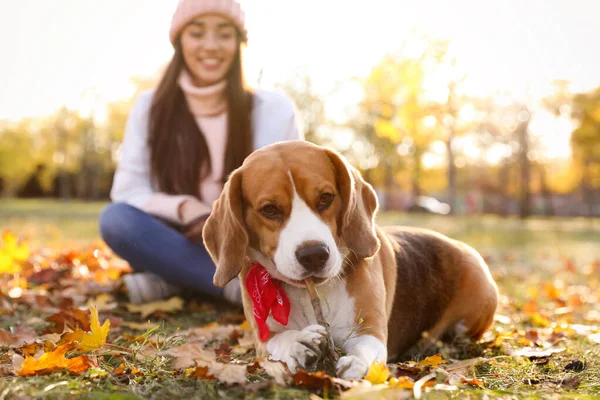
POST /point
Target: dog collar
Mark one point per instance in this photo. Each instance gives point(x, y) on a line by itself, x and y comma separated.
point(267, 296)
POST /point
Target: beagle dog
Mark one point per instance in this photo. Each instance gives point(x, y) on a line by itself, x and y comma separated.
point(303, 212)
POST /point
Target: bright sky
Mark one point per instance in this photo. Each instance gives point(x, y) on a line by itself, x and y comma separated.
point(51, 51)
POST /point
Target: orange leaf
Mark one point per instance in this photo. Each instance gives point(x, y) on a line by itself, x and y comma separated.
point(530, 307)
point(473, 382)
point(200, 373)
point(432, 361)
point(402, 382)
point(55, 361)
point(552, 291)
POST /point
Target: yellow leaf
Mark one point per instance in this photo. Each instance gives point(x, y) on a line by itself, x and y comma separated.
point(245, 326)
point(13, 249)
point(378, 373)
point(7, 266)
point(538, 320)
point(96, 338)
point(173, 304)
point(432, 361)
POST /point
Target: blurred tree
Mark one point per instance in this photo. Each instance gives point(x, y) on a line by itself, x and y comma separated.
point(16, 159)
point(398, 114)
point(310, 105)
point(585, 143)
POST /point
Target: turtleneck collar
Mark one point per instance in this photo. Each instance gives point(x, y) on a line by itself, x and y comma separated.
point(207, 101)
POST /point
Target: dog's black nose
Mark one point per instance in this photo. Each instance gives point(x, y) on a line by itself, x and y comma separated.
point(313, 257)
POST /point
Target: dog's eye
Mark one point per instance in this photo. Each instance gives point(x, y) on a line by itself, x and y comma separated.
point(325, 201)
point(270, 211)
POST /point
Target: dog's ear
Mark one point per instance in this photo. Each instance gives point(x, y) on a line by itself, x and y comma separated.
point(224, 233)
point(359, 205)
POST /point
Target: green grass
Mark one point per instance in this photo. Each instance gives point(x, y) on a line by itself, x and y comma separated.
point(52, 222)
point(523, 256)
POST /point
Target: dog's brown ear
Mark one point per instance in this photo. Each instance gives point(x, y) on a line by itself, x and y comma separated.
point(359, 205)
point(224, 233)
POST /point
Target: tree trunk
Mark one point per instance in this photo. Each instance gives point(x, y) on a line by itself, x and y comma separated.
point(587, 188)
point(524, 197)
point(451, 173)
point(546, 194)
point(416, 187)
point(504, 174)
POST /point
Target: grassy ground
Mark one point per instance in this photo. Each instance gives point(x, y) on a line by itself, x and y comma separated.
point(544, 268)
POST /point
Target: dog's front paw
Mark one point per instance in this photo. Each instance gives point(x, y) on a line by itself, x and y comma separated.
point(299, 349)
point(351, 367)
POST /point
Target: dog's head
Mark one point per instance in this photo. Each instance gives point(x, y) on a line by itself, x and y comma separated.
point(296, 208)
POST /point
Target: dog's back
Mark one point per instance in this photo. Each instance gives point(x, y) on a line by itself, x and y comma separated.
point(433, 279)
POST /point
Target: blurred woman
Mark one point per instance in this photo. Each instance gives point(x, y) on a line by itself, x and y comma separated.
point(181, 142)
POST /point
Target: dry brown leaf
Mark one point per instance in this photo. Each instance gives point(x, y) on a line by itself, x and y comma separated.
point(189, 355)
point(71, 319)
point(147, 309)
point(139, 326)
point(19, 336)
point(535, 353)
point(200, 373)
point(103, 302)
point(276, 370)
point(321, 381)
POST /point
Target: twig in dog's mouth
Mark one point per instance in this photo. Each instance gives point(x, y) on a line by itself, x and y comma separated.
point(331, 356)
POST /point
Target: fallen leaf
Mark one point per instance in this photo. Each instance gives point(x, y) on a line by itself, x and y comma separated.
point(12, 254)
point(320, 380)
point(276, 370)
point(189, 354)
point(537, 319)
point(139, 326)
point(104, 302)
point(199, 372)
point(71, 319)
point(245, 326)
point(402, 382)
point(432, 361)
point(575, 366)
point(572, 382)
point(19, 336)
point(473, 382)
point(147, 309)
point(378, 373)
point(55, 361)
point(97, 337)
point(533, 353)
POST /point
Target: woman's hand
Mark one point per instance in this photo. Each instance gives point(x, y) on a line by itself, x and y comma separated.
point(193, 230)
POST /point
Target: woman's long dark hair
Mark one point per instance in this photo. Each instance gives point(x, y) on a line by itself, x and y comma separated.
point(179, 156)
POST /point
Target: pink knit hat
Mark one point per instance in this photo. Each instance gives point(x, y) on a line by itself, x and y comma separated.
point(189, 9)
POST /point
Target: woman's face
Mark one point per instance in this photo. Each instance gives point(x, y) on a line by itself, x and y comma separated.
point(209, 44)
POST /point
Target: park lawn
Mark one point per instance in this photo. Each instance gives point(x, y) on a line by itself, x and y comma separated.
point(548, 272)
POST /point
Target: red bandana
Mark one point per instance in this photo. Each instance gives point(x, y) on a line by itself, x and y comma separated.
point(267, 295)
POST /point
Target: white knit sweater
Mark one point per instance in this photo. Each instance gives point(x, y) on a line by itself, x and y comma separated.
point(273, 120)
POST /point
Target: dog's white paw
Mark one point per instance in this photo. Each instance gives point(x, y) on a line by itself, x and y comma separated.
point(351, 367)
point(299, 349)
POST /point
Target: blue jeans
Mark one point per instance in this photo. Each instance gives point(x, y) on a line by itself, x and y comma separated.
point(150, 245)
